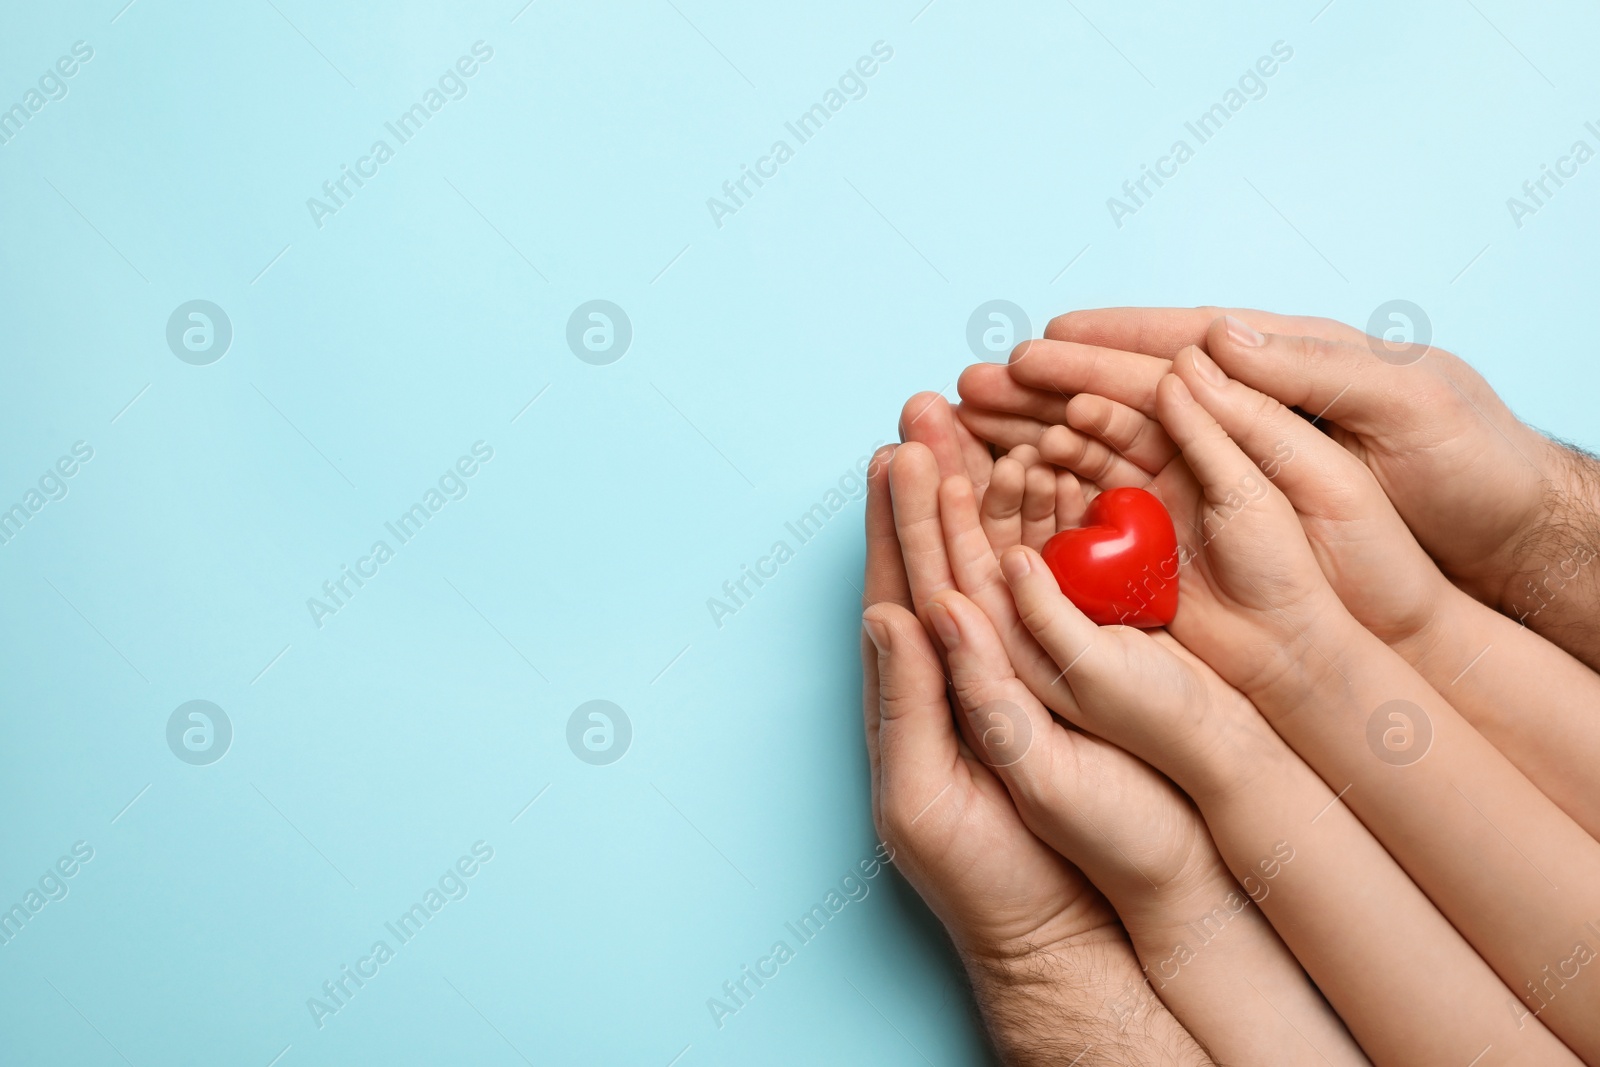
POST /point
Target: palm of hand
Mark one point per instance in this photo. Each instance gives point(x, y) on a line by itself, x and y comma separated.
point(1248, 584)
point(993, 877)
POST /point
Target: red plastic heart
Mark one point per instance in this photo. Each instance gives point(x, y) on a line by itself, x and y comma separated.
point(1121, 565)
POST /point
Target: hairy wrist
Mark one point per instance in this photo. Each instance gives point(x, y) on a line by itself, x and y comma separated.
point(1554, 587)
point(1084, 1002)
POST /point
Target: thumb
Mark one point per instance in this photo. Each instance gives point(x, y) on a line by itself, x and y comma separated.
point(1346, 382)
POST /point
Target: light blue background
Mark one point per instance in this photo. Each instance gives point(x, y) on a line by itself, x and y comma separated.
point(768, 357)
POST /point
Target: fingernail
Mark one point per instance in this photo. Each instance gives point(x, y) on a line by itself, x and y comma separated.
point(1242, 333)
point(944, 624)
point(878, 632)
point(1180, 391)
point(1015, 566)
point(1207, 368)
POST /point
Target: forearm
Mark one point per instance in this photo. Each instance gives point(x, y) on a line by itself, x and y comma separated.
point(1507, 867)
point(1220, 968)
point(1482, 663)
point(1411, 990)
point(1085, 1004)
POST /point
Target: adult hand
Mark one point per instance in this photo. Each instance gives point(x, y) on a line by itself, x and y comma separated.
point(1046, 954)
point(1510, 515)
point(1260, 612)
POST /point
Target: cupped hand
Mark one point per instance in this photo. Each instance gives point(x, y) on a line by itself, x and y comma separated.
point(949, 823)
point(1488, 497)
point(1362, 545)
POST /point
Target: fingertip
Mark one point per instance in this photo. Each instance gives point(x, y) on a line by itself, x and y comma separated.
point(1025, 454)
point(1199, 371)
point(1009, 467)
point(972, 381)
point(911, 456)
point(877, 629)
point(1059, 439)
point(1014, 564)
point(878, 465)
point(954, 487)
point(1238, 332)
point(1086, 411)
point(1020, 352)
point(1007, 483)
point(917, 408)
point(1173, 392)
point(943, 620)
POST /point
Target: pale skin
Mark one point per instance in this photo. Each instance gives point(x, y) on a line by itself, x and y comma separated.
point(1050, 964)
point(1411, 990)
point(1481, 660)
point(1506, 511)
point(1215, 961)
point(1511, 870)
point(1160, 899)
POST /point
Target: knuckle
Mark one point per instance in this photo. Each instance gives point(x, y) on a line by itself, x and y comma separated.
point(1264, 410)
point(1308, 350)
point(1037, 614)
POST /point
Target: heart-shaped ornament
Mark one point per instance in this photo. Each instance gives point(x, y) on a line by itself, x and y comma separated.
point(1121, 565)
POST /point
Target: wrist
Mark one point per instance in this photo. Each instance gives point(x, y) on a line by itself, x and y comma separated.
point(1084, 1001)
point(1557, 540)
point(1455, 634)
point(1452, 623)
point(1151, 915)
point(1019, 963)
point(1315, 659)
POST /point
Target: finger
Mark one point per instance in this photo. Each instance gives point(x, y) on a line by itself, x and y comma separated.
point(973, 565)
point(1004, 429)
point(884, 581)
point(977, 576)
point(1066, 634)
point(1039, 506)
point(1223, 471)
point(917, 738)
point(1071, 502)
point(1003, 723)
point(1164, 331)
point(1300, 460)
point(914, 489)
point(1027, 455)
point(978, 453)
point(1090, 458)
point(1155, 706)
point(1064, 368)
point(1130, 432)
point(1001, 512)
point(885, 577)
point(1088, 799)
point(992, 387)
point(1341, 380)
point(929, 419)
